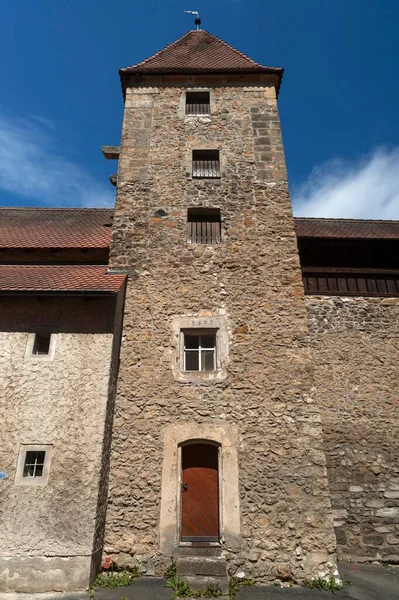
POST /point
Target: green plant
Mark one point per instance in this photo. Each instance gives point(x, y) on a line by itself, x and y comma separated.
point(115, 578)
point(235, 584)
point(170, 575)
point(329, 585)
point(183, 590)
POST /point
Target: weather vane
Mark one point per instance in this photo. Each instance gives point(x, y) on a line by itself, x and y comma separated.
point(197, 17)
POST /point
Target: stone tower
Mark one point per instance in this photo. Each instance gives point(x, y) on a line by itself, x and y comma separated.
point(217, 454)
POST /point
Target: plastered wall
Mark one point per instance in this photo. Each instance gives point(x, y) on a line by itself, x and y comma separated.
point(46, 532)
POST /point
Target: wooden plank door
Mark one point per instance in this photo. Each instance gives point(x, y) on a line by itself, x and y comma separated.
point(200, 493)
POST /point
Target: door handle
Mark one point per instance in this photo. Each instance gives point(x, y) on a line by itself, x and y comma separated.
point(185, 487)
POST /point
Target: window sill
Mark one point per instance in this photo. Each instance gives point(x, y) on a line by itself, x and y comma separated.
point(200, 376)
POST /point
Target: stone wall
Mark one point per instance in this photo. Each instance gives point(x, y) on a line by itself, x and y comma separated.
point(356, 350)
point(253, 281)
point(47, 531)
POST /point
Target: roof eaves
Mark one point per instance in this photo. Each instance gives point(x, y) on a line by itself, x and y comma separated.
point(278, 71)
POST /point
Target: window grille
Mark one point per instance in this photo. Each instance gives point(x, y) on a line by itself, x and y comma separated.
point(42, 343)
point(203, 226)
point(197, 103)
point(206, 164)
point(34, 463)
point(200, 351)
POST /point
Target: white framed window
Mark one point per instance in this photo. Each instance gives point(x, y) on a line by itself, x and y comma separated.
point(34, 463)
point(199, 349)
point(33, 466)
point(40, 345)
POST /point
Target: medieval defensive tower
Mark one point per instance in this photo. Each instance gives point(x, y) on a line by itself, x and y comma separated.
point(217, 455)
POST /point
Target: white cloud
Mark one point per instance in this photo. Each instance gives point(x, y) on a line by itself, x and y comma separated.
point(32, 166)
point(365, 189)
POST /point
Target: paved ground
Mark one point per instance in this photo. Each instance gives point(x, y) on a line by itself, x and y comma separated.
point(367, 582)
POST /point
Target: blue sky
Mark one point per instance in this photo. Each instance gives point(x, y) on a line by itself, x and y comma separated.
point(60, 97)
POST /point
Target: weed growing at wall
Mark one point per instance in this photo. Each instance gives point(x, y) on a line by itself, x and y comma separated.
point(113, 579)
point(329, 585)
point(183, 590)
point(235, 584)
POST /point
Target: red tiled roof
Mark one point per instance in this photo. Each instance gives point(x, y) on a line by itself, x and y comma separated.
point(199, 51)
point(55, 227)
point(57, 278)
point(346, 228)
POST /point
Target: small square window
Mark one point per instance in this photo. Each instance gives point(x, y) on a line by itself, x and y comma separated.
point(41, 345)
point(197, 103)
point(201, 348)
point(199, 351)
point(206, 164)
point(203, 226)
point(33, 464)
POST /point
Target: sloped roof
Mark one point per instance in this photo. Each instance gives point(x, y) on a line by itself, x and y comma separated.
point(91, 228)
point(196, 52)
point(346, 228)
point(58, 278)
point(55, 227)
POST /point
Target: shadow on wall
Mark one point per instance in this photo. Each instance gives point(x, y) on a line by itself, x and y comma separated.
point(65, 315)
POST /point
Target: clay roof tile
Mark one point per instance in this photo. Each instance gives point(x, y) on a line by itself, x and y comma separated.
point(55, 227)
point(58, 278)
point(199, 52)
point(346, 228)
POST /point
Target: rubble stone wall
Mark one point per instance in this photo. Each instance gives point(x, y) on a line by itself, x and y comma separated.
point(252, 280)
point(356, 351)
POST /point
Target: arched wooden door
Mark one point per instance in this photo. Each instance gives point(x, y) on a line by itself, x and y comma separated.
point(200, 493)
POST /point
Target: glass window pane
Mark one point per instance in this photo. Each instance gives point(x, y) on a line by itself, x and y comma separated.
point(191, 341)
point(207, 360)
point(40, 457)
point(39, 471)
point(29, 470)
point(192, 362)
point(208, 341)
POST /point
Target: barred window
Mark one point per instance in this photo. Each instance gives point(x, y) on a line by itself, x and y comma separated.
point(206, 164)
point(197, 103)
point(203, 226)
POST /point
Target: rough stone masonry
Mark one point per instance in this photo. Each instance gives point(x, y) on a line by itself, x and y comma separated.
point(252, 283)
point(355, 346)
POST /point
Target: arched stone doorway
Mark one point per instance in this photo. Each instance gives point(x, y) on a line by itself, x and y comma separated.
point(200, 492)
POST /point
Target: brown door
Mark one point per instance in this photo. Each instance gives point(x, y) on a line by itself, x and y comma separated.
point(200, 493)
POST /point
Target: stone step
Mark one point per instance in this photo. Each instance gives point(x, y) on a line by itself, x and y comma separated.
point(214, 566)
point(197, 551)
point(202, 582)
